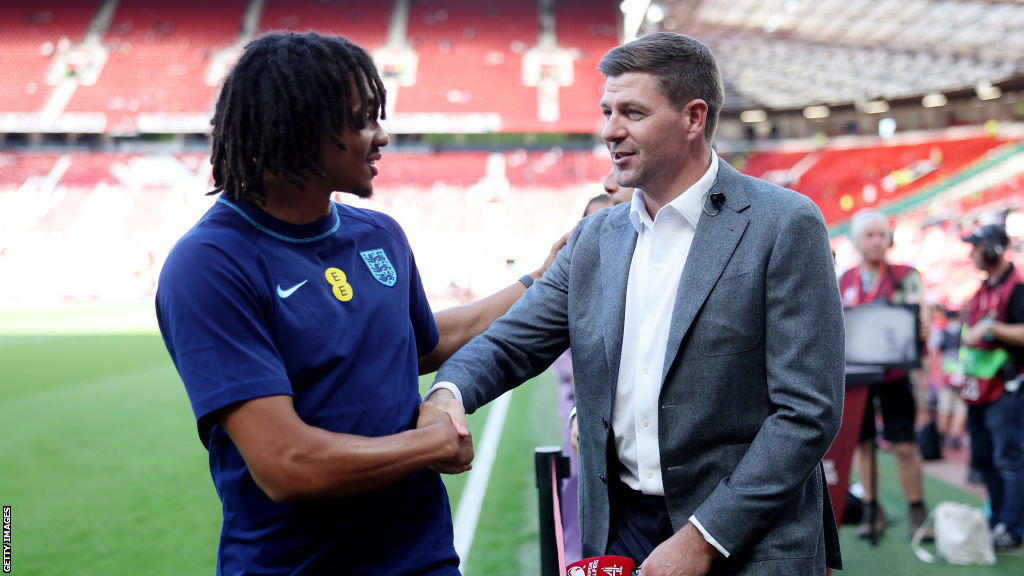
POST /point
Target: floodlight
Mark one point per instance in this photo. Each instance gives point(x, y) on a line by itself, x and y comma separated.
point(876, 107)
point(813, 112)
point(752, 116)
point(986, 91)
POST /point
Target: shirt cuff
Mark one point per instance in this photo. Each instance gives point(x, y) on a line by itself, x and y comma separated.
point(711, 539)
point(447, 386)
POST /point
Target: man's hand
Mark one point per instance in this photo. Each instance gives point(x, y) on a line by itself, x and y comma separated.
point(461, 461)
point(686, 553)
point(975, 334)
point(551, 256)
point(444, 402)
point(574, 433)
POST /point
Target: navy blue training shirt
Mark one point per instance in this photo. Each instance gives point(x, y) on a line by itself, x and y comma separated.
point(332, 313)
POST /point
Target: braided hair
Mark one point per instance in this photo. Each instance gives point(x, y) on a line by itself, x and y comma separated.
point(284, 93)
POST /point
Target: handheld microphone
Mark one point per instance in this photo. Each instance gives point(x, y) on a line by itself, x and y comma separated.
point(603, 566)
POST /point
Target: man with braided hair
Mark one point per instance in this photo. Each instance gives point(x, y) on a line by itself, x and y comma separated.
point(299, 327)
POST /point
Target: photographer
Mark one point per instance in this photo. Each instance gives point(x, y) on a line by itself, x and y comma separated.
point(992, 352)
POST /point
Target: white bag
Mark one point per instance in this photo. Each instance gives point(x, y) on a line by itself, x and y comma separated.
point(962, 535)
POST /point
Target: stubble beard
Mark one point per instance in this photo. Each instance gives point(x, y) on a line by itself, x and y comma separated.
point(632, 181)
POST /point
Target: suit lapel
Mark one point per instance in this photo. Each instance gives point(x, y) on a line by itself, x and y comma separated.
point(713, 245)
point(618, 240)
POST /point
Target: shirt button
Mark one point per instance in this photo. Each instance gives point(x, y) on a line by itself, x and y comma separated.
point(650, 473)
point(658, 266)
point(644, 370)
point(644, 422)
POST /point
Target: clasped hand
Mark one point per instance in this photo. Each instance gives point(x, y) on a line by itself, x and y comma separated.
point(449, 413)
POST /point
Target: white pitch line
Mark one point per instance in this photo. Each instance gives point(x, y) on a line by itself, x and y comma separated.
point(468, 511)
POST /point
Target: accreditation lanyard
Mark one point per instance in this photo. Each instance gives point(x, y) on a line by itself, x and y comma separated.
point(988, 301)
point(881, 280)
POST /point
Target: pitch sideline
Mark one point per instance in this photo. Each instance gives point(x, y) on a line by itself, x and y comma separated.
point(471, 501)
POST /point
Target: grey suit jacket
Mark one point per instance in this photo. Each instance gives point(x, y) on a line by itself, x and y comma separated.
point(752, 389)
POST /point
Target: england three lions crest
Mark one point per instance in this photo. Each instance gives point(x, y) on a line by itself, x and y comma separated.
point(379, 265)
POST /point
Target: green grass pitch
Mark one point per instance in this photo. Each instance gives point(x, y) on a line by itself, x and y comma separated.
point(105, 473)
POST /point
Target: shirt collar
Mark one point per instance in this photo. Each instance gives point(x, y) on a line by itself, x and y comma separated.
point(689, 204)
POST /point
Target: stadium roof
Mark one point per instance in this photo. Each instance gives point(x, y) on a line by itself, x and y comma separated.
point(787, 54)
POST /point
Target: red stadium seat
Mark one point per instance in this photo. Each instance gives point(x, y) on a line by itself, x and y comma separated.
point(33, 32)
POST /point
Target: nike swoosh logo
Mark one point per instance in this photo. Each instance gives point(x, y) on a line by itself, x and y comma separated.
point(286, 293)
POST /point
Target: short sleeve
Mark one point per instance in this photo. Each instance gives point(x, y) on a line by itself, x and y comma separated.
point(420, 314)
point(214, 325)
point(1015, 310)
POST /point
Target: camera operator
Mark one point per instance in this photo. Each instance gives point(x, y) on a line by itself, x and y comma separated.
point(993, 350)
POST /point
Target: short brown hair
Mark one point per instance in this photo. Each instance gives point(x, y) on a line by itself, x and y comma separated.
point(685, 68)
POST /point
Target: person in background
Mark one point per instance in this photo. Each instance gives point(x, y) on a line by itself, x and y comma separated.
point(993, 354)
point(876, 280)
point(618, 194)
point(951, 411)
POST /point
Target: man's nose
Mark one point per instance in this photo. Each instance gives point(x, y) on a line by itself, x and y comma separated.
point(612, 130)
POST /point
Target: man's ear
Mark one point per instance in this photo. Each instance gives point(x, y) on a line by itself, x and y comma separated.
point(695, 118)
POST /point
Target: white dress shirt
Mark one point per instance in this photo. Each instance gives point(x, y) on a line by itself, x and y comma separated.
point(662, 246)
point(658, 260)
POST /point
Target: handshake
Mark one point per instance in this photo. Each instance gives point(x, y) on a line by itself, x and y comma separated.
point(442, 411)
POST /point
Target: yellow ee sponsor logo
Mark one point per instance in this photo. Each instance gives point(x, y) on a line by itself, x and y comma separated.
point(342, 289)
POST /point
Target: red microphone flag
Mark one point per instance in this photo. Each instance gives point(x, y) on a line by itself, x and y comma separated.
point(602, 566)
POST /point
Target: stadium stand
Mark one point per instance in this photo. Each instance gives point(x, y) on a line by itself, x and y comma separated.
point(846, 178)
point(556, 168)
point(157, 60)
point(20, 168)
point(588, 30)
point(1012, 189)
point(33, 35)
point(470, 60)
point(475, 71)
point(425, 170)
point(365, 23)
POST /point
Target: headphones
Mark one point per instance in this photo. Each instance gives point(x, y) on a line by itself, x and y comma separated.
point(992, 252)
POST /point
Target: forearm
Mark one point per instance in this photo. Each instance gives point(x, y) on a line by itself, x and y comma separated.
point(1009, 334)
point(291, 460)
point(341, 465)
point(460, 324)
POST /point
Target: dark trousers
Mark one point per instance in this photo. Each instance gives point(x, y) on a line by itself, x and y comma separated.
point(997, 451)
point(639, 523)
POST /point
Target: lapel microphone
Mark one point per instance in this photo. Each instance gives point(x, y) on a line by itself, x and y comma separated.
point(717, 200)
point(603, 566)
